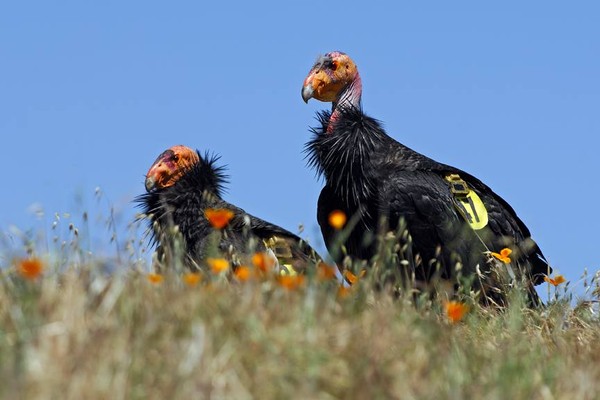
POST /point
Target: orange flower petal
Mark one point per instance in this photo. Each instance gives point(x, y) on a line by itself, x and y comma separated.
point(291, 282)
point(243, 273)
point(217, 265)
point(560, 279)
point(263, 261)
point(155, 279)
point(326, 272)
point(505, 252)
point(557, 280)
point(350, 277)
point(337, 219)
point(192, 278)
point(30, 268)
point(218, 217)
point(503, 255)
point(343, 291)
point(455, 311)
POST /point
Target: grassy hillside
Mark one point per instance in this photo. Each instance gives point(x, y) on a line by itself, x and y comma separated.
point(76, 331)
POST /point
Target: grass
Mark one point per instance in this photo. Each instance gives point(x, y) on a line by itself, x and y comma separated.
point(79, 331)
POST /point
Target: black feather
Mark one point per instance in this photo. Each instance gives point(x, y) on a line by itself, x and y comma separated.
point(183, 205)
point(370, 175)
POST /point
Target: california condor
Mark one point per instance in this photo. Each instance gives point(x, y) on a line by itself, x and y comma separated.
point(184, 197)
point(448, 224)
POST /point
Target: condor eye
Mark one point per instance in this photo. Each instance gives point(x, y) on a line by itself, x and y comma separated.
point(175, 157)
point(334, 65)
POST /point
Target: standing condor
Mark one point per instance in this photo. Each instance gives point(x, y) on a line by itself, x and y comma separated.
point(447, 223)
point(181, 187)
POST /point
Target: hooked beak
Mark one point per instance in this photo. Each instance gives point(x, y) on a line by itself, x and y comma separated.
point(150, 183)
point(307, 92)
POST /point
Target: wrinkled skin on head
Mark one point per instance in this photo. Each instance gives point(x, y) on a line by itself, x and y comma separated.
point(169, 166)
point(331, 74)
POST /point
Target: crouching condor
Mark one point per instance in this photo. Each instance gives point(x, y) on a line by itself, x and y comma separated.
point(448, 224)
point(184, 200)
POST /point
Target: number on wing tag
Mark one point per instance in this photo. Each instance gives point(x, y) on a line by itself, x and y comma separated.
point(468, 202)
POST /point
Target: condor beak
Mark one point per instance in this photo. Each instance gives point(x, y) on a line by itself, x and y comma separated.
point(307, 92)
point(150, 183)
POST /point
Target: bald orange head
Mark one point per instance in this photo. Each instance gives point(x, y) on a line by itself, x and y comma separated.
point(329, 77)
point(169, 166)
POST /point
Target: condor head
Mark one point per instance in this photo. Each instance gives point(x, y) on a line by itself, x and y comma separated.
point(329, 77)
point(170, 165)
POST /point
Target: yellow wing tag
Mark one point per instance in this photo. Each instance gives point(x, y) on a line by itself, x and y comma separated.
point(467, 202)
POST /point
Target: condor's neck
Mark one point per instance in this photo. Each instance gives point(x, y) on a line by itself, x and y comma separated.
point(350, 97)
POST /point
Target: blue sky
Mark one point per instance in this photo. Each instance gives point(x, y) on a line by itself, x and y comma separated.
point(91, 93)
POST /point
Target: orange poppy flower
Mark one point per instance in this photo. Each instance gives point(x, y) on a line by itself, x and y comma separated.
point(557, 280)
point(455, 311)
point(337, 219)
point(217, 265)
point(218, 217)
point(263, 261)
point(350, 277)
point(155, 279)
point(503, 255)
point(243, 273)
point(343, 291)
point(291, 282)
point(30, 268)
point(325, 272)
point(192, 278)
